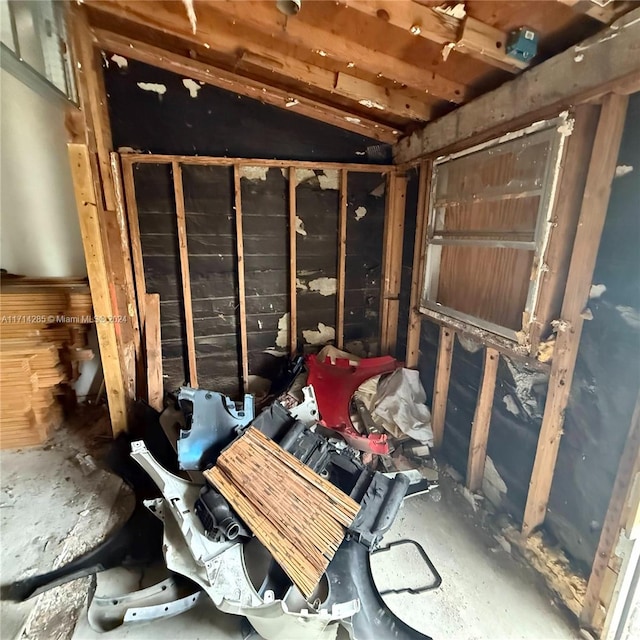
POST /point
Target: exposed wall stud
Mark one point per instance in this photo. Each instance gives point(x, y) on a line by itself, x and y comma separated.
point(342, 258)
point(441, 386)
point(242, 304)
point(153, 347)
point(419, 251)
point(184, 272)
point(585, 250)
point(482, 420)
point(293, 264)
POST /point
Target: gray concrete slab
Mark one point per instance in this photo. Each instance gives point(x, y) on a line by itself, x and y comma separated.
point(485, 594)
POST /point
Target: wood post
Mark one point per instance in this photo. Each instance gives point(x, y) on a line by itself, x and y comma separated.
point(585, 249)
point(184, 272)
point(342, 258)
point(392, 262)
point(441, 386)
point(293, 264)
point(614, 522)
point(242, 303)
point(99, 279)
point(482, 420)
point(417, 272)
point(153, 344)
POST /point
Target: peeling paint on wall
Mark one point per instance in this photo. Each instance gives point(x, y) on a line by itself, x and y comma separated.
point(324, 286)
point(282, 339)
point(254, 173)
point(192, 86)
point(361, 212)
point(323, 335)
point(493, 485)
point(524, 382)
point(302, 175)
point(300, 226)
point(630, 315)
point(301, 286)
point(511, 405)
point(329, 179)
point(378, 192)
point(468, 344)
point(596, 291)
point(623, 170)
point(160, 89)
point(121, 61)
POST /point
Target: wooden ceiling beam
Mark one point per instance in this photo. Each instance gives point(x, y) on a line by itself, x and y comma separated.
point(342, 43)
point(272, 55)
point(466, 35)
point(210, 74)
point(599, 64)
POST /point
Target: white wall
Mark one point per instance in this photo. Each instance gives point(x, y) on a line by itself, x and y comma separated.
point(39, 230)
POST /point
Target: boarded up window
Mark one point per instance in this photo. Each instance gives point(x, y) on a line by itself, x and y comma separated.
point(488, 227)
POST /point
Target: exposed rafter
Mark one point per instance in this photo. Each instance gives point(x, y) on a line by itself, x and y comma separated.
point(467, 35)
point(223, 79)
point(304, 32)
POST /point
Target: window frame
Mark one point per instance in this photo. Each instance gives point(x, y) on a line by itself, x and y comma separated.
point(555, 130)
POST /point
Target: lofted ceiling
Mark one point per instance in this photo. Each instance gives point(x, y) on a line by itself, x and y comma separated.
point(382, 68)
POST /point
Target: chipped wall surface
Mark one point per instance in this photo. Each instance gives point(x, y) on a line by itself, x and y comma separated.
point(156, 111)
point(604, 390)
point(607, 375)
point(215, 122)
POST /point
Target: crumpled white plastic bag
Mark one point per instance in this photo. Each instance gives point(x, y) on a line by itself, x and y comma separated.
point(399, 406)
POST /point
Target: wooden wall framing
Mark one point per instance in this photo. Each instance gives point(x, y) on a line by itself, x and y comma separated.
point(392, 247)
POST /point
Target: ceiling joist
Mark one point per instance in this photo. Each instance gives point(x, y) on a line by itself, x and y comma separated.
point(466, 34)
point(210, 74)
point(344, 45)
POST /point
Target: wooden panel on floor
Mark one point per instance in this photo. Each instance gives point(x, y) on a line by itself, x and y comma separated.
point(99, 282)
point(152, 340)
point(419, 250)
point(441, 386)
point(482, 421)
point(585, 250)
point(184, 271)
point(244, 342)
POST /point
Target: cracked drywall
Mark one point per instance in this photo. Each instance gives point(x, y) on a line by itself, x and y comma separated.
point(254, 173)
point(623, 170)
point(282, 339)
point(361, 212)
point(121, 61)
point(524, 382)
point(300, 226)
point(192, 87)
point(329, 179)
point(154, 87)
point(324, 286)
point(596, 291)
point(493, 486)
point(323, 335)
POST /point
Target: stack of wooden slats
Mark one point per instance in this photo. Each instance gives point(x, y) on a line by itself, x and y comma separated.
point(43, 337)
point(300, 517)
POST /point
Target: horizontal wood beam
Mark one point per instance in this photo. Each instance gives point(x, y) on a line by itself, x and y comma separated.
point(591, 68)
point(229, 81)
point(268, 53)
point(470, 36)
point(338, 35)
point(158, 158)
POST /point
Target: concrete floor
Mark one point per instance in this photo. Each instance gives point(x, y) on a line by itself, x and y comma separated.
point(485, 593)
